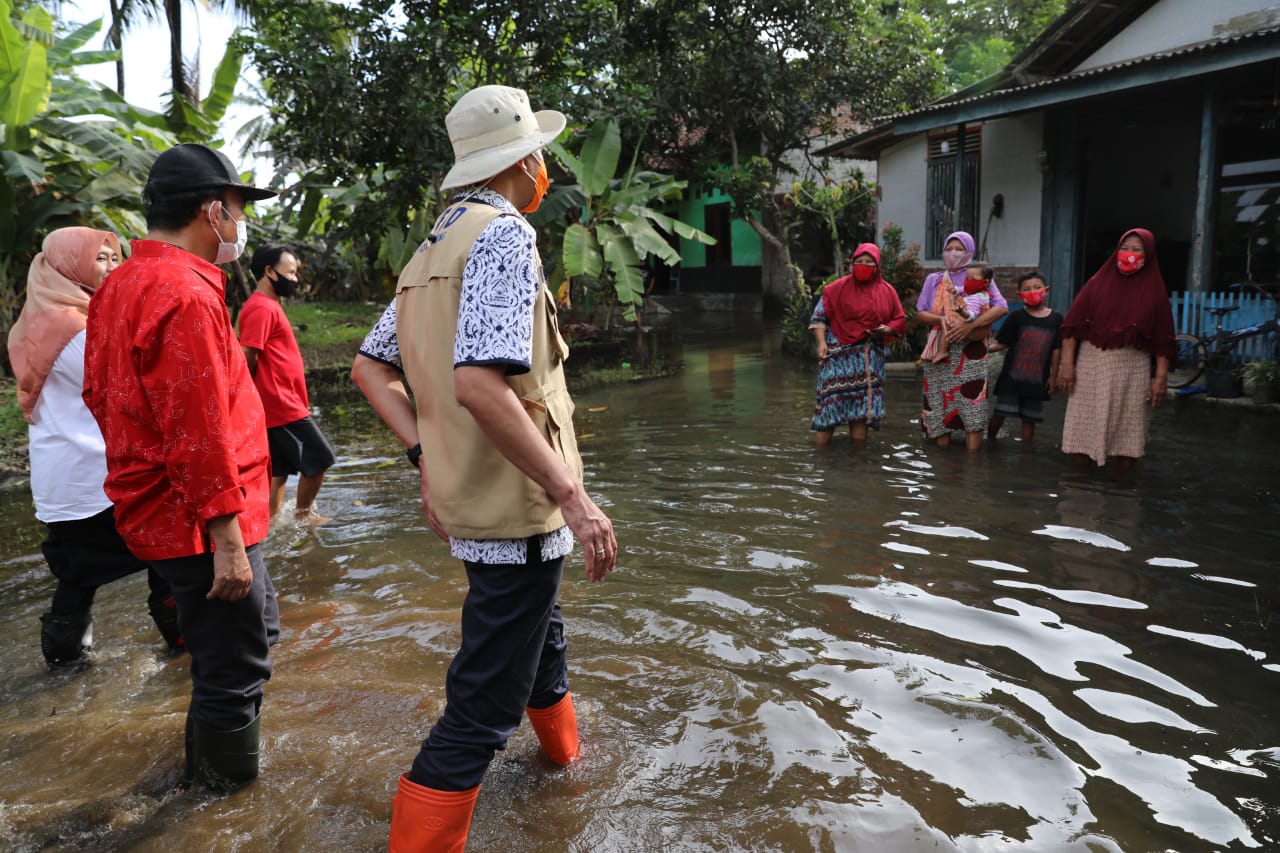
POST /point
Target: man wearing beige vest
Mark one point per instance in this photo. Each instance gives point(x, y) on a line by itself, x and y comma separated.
point(501, 475)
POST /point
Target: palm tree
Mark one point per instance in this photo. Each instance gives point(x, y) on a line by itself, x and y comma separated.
point(126, 14)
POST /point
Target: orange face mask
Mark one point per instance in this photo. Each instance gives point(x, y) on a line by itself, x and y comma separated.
point(541, 183)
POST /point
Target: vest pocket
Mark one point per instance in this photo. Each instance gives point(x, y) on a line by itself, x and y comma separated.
point(551, 409)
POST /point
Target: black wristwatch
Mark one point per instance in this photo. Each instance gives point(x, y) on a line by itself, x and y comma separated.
point(414, 453)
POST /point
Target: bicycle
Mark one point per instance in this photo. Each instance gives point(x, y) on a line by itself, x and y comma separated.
point(1194, 354)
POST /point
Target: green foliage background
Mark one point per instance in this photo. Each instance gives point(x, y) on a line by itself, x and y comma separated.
point(708, 93)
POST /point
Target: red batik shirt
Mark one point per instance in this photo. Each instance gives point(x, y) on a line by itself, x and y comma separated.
point(184, 427)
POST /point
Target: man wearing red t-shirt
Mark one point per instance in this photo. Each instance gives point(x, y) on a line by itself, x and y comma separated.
point(186, 442)
point(266, 336)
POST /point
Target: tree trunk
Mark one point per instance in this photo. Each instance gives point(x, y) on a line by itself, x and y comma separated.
point(177, 73)
point(114, 36)
point(780, 244)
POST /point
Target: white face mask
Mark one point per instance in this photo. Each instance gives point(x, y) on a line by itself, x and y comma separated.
point(228, 252)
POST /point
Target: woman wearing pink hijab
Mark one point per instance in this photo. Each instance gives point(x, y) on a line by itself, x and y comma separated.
point(68, 455)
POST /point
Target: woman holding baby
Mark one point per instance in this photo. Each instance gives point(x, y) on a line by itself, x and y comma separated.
point(955, 361)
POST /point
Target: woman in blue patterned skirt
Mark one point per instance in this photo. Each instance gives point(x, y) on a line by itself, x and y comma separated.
point(856, 316)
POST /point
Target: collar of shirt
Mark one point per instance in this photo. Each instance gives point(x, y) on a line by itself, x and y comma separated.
point(490, 197)
point(168, 252)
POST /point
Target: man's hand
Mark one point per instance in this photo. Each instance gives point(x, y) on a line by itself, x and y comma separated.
point(595, 533)
point(432, 520)
point(232, 574)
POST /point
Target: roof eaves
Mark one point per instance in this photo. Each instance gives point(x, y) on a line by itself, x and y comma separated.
point(889, 126)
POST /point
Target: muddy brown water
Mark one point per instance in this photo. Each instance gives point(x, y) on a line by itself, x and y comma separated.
point(900, 649)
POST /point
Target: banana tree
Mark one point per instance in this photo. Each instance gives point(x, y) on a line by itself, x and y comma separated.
point(616, 220)
point(72, 152)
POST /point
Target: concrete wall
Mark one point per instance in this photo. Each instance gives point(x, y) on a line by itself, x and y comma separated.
point(1177, 23)
point(903, 185)
point(1011, 167)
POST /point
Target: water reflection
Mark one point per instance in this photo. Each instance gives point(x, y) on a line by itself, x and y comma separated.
point(904, 649)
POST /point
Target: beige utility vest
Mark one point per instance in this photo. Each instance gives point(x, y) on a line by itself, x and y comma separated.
point(475, 491)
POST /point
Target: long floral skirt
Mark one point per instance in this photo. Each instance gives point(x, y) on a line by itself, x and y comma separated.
point(1107, 413)
point(955, 391)
point(850, 386)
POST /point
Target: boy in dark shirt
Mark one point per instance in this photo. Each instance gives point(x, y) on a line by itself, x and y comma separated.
point(1032, 335)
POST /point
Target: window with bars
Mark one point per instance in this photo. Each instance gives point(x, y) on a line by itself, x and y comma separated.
point(952, 186)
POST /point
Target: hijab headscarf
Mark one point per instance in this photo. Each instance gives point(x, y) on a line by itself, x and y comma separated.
point(854, 308)
point(947, 287)
point(62, 278)
point(1114, 310)
point(966, 240)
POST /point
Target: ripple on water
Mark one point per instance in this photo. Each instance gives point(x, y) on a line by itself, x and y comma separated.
point(1210, 640)
point(1036, 634)
point(1076, 534)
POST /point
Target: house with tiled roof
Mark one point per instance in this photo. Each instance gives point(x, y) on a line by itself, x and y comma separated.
point(1162, 114)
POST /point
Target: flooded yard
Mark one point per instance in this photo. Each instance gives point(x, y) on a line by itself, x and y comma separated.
point(899, 649)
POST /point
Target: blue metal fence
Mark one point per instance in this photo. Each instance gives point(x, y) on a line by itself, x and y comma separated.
point(1190, 316)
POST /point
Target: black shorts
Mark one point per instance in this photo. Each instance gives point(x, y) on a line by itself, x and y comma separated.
point(1014, 406)
point(299, 448)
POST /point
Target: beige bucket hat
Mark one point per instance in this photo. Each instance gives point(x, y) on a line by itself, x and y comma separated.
point(492, 127)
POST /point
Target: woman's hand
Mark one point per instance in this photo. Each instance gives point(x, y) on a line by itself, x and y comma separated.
point(1067, 378)
point(822, 350)
point(1157, 390)
point(958, 331)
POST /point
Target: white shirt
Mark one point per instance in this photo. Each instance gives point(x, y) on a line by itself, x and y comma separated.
point(68, 455)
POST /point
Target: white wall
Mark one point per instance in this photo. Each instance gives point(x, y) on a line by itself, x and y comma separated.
point(1177, 23)
point(903, 184)
point(1011, 166)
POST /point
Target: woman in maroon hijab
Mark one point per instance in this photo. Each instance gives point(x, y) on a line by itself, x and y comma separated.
point(1119, 323)
point(852, 321)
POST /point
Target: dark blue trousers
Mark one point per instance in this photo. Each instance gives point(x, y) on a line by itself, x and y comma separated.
point(512, 656)
point(228, 641)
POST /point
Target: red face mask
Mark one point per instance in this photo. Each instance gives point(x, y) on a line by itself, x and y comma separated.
point(1130, 262)
point(1034, 298)
point(863, 273)
point(974, 285)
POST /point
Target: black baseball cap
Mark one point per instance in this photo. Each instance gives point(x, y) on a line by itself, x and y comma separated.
point(192, 166)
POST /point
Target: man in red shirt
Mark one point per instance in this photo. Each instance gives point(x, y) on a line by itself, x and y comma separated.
point(266, 336)
point(186, 440)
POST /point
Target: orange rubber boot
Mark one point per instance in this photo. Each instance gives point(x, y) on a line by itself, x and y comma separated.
point(557, 730)
point(424, 820)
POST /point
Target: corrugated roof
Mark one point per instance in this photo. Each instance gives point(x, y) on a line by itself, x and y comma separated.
point(1175, 53)
point(883, 130)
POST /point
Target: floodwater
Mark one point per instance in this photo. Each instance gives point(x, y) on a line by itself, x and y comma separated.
point(899, 649)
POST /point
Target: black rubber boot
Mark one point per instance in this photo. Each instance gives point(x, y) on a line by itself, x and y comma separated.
point(66, 640)
point(221, 761)
point(165, 615)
